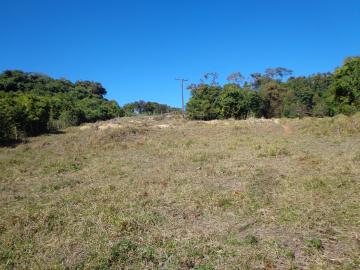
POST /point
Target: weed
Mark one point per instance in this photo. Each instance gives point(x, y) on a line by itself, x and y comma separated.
point(225, 202)
point(290, 254)
point(188, 143)
point(314, 184)
point(200, 157)
point(315, 243)
point(60, 167)
point(251, 239)
point(122, 252)
point(274, 150)
point(148, 254)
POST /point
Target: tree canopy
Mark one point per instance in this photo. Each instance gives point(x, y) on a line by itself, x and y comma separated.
point(276, 93)
point(147, 107)
point(33, 103)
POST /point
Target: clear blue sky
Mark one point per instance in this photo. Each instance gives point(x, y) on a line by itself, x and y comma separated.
point(137, 48)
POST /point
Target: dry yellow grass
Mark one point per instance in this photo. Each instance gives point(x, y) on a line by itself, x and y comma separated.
point(166, 193)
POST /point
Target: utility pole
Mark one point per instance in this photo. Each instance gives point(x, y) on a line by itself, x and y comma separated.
point(182, 94)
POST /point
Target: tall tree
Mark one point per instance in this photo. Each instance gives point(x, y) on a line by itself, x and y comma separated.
point(211, 78)
point(278, 73)
point(204, 103)
point(346, 86)
point(236, 78)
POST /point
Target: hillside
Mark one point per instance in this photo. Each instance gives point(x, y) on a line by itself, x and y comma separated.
point(166, 193)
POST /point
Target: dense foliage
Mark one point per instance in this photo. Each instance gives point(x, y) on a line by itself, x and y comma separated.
point(147, 107)
point(276, 93)
point(32, 104)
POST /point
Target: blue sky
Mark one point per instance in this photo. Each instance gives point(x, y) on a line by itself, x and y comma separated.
point(137, 48)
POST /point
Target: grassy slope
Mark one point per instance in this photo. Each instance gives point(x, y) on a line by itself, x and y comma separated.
point(216, 195)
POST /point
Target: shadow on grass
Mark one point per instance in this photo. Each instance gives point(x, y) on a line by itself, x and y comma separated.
point(13, 143)
point(52, 132)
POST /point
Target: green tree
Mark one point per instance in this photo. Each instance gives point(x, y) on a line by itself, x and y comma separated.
point(204, 103)
point(345, 90)
point(273, 94)
point(6, 123)
point(234, 102)
point(94, 88)
point(147, 107)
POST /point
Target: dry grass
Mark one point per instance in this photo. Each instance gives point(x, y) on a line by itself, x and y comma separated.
point(166, 193)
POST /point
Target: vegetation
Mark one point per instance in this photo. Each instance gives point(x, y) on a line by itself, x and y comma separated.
point(31, 104)
point(169, 193)
point(144, 193)
point(147, 108)
point(277, 94)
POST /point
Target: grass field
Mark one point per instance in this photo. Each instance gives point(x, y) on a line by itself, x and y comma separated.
point(167, 193)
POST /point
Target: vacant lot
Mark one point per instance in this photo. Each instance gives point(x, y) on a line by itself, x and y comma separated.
point(166, 193)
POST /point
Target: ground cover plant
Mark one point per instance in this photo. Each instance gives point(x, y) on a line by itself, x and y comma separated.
point(163, 192)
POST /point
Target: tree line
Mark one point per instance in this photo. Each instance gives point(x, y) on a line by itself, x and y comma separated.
point(32, 103)
point(147, 108)
point(276, 93)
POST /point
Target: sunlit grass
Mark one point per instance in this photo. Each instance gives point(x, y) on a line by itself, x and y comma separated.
point(184, 195)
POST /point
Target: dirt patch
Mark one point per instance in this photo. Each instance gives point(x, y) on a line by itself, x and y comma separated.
point(85, 127)
point(109, 126)
point(163, 126)
point(286, 129)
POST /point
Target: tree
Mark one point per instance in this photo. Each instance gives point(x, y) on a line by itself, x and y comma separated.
point(236, 78)
point(273, 94)
point(6, 123)
point(307, 96)
point(211, 78)
point(298, 101)
point(345, 90)
point(150, 108)
point(204, 102)
point(94, 88)
point(235, 102)
point(71, 117)
point(278, 73)
point(256, 105)
point(257, 80)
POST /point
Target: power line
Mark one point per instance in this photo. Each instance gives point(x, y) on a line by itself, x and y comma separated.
point(182, 94)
